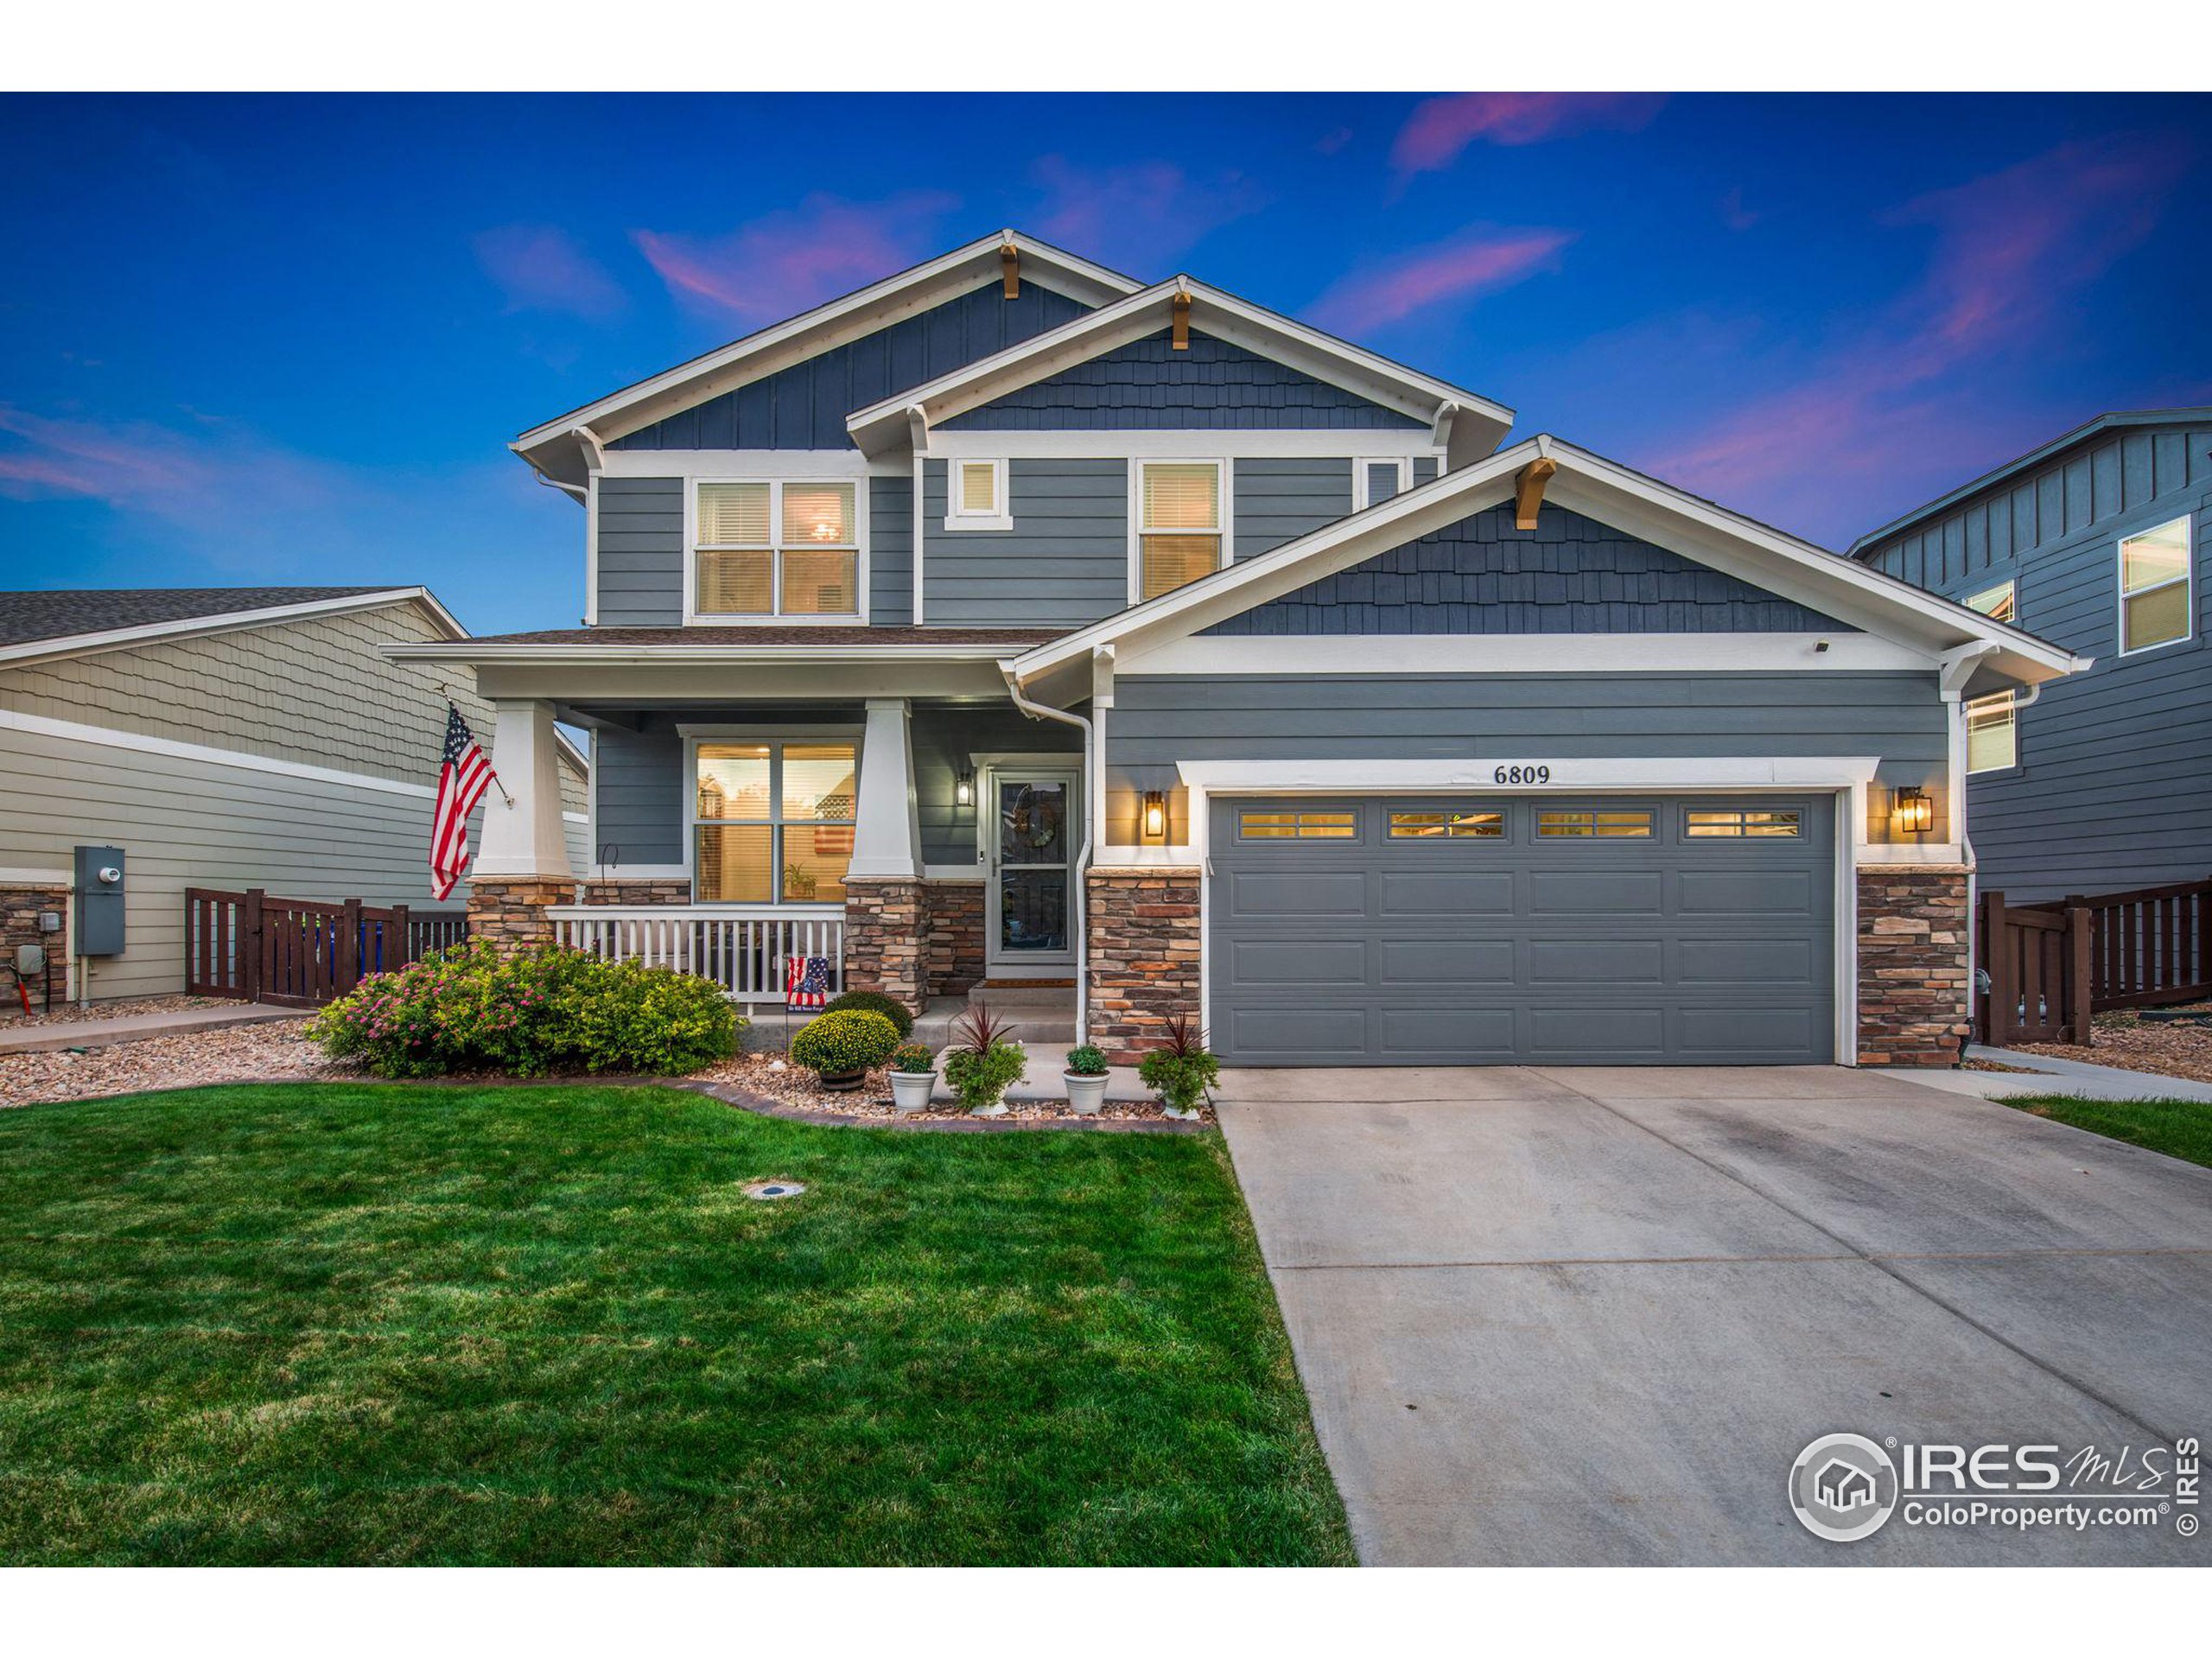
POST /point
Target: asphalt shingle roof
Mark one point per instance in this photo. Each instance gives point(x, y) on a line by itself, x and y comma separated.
point(60, 612)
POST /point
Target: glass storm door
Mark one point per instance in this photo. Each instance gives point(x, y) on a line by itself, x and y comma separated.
point(1031, 851)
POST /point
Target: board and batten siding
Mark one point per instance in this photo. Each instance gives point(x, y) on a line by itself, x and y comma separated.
point(1279, 498)
point(640, 552)
point(1148, 385)
point(1066, 560)
point(1159, 720)
point(2114, 787)
point(804, 407)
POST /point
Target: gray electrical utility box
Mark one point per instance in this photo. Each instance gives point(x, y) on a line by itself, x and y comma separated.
point(100, 901)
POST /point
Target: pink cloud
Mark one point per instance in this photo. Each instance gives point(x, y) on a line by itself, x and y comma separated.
point(543, 268)
point(1140, 216)
point(1440, 127)
point(1885, 399)
point(787, 261)
point(1481, 261)
point(132, 464)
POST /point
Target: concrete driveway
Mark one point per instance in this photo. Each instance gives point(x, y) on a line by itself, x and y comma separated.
point(1571, 1315)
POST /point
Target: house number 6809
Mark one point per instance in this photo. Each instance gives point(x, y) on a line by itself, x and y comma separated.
point(1523, 774)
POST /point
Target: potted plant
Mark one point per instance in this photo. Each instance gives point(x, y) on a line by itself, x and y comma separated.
point(983, 1063)
point(800, 883)
point(913, 1074)
point(841, 1047)
point(1085, 1078)
point(1181, 1069)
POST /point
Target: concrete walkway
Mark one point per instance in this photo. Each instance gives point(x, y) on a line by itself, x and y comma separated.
point(2045, 1075)
point(1591, 1315)
point(54, 1036)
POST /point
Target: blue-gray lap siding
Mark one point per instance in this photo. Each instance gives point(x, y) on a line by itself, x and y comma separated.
point(891, 549)
point(1066, 560)
point(804, 407)
point(1279, 498)
point(640, 552)
point(2113, 788)
point(1571, 575)
point(1158, 721)
point(1148, 385)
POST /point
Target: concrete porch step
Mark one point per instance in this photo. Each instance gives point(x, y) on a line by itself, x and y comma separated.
point(1011, 995)
point(1039, 1025)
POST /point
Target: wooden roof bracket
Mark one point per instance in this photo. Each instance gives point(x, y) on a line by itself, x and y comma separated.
point(1180, 308)
point(1010, 266)
point(1529, 490)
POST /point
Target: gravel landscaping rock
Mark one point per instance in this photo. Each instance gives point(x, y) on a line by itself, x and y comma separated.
point(2134, 1044)
point(121, 1008)
point(276, 1050)
point(764, 1074)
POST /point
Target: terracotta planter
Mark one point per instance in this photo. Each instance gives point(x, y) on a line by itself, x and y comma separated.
point(1085, 1094)
point(909, 1091)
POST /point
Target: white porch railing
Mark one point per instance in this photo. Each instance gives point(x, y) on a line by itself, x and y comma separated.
point(742, 947)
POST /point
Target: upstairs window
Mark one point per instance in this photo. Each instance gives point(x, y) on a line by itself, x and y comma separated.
point(2154, 587)
point(976, 498)
point(1178, 525)
point(1992, 727)
point(779, 548)
point(1995, 603)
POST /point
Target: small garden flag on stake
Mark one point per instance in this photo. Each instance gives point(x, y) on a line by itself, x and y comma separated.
point(806, 982)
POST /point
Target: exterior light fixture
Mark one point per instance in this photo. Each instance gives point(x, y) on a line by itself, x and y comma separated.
point(964, 788)
point(1155, 815)
point(1913, 811)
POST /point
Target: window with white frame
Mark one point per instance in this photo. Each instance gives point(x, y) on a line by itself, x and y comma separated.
point(976, 496)
point(772, 822)
point(1178, 524)
point(777, 547)
point(1992, 727)
point(2154, 587)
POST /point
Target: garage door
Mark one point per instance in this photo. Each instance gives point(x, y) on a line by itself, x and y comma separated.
point(1616, 930)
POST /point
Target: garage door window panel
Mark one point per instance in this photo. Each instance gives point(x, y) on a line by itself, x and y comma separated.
point(1739, 824)
point(1332, 825)
point(1448, 826)
point(1594, 825)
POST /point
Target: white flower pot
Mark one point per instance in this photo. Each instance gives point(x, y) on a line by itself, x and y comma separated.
point(996, 1109)
point(909, 1091)
point(1085, 1095)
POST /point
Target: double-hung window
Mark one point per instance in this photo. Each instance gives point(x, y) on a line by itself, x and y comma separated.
point(778, 547)
point(1178, 524)
point(772, 822)
point(1993, 730)
point(2155, 600)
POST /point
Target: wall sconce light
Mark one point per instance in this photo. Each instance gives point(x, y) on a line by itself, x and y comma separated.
point(964, 788)
point(1913, 811)
point(1155, 815)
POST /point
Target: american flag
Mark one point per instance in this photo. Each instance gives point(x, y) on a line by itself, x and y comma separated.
point(462, 780)
point(806, 982)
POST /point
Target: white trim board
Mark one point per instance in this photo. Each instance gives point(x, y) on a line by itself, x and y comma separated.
point(1238, 444)
point(203, 754)
point(78, 644)
point(38, 878)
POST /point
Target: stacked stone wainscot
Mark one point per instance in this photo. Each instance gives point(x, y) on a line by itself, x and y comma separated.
point(956, 930)
point(510, 910)
point(1142, 924)
point(1913, 986)
point(20, 908)
point(887, 938)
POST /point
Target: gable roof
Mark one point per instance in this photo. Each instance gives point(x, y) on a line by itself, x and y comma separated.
point(1469, 422)
point(2111, 421)
point(1603, 490)
point(561, 448)
point(62, 622)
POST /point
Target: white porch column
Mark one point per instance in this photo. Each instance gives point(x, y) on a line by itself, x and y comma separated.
point(523, 838)
point(888, 837)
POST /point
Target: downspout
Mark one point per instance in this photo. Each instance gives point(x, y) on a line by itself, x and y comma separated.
point(1081, 895)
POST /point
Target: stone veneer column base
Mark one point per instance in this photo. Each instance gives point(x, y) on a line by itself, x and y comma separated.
point(957, 950)
point(19, 910)
point(638, 890)
point(887, 938)
point(1913, 934)
point(1142, 924)
point(510, 910)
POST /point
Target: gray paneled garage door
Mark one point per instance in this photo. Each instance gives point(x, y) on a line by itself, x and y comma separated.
point(1622, 929)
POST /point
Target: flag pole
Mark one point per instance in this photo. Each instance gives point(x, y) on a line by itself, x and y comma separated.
point(446, 691)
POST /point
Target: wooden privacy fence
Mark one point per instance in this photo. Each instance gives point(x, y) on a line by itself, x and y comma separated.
point(2051, 966)
point(302, 952)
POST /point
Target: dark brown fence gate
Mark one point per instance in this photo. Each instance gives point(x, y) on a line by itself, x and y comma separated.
point(2052, 965)
point(302, 952)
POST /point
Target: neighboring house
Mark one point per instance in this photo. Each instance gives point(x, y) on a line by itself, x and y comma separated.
point(222, 737)
point(2100, 541)
point(1010, 619)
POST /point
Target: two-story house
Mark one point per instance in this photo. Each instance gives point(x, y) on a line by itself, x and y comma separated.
point(1011, 620)
point(2099, 541)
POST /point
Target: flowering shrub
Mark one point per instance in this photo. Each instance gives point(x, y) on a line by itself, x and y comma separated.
point(850, 1039)
point(470, 1008)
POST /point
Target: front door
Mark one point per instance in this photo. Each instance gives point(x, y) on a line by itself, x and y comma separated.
point(1030, 851)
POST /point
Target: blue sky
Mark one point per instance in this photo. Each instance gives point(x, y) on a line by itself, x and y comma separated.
point(286, 339)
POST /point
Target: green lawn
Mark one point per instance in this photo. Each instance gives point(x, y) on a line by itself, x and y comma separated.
point(352, 1323)
point(2180, 1129)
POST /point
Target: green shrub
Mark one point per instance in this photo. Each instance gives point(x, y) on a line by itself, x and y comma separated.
point(470, 1008)
point(1088, 1061)
point(1182, 1069)
point(875, 1002)
point(849, 1039)
point(914, 1058)
point(984, 1064)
